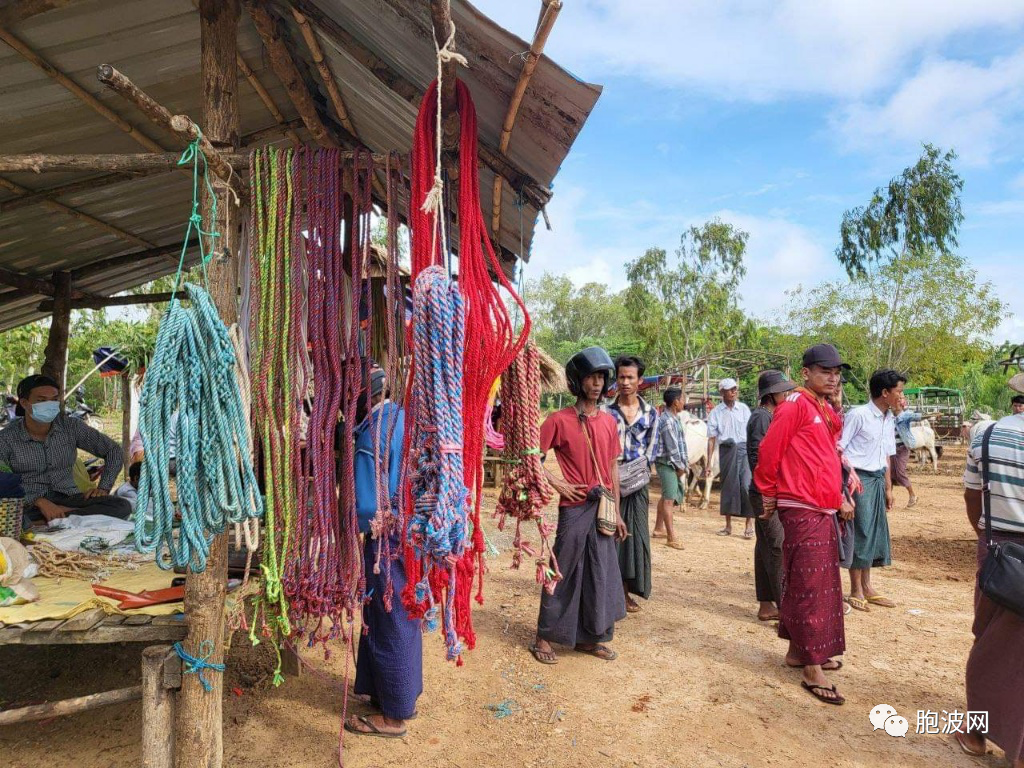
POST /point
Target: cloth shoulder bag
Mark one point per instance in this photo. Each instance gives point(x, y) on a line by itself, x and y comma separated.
point(607, 508)
point(1002, 575)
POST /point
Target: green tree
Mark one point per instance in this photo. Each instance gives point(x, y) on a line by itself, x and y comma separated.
point(923, 313)
point(918, 212)
point(689, 308)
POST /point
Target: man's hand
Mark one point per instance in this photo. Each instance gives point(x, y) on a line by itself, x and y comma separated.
point(846, 510)
point(92, 493)
point(889, 500)
point(768, 506)
point(568, 491)
point(49, 510)
point(621, 531)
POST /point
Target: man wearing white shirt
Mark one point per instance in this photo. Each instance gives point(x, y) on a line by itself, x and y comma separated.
point(869, 439)
point(727, 426)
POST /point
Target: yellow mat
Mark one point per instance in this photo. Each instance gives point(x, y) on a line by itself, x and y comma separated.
point(68, 597)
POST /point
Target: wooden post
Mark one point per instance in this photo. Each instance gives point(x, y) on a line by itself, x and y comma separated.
point(158, 705)
point(69, 706)
point(200, 722)
point(56, 356)
point(126, 418)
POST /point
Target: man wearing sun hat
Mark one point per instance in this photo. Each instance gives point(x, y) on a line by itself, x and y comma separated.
point(727, 427)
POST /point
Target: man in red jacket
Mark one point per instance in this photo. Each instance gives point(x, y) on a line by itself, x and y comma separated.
point(799, 473)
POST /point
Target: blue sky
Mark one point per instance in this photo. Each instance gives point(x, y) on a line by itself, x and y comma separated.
point(778, 116)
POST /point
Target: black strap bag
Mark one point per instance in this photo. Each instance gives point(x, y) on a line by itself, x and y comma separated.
point(1002, 575)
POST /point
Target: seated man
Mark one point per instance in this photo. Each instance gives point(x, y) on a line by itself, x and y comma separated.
point(42, 446)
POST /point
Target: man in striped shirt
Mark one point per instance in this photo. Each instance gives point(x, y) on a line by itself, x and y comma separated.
point(995, 674)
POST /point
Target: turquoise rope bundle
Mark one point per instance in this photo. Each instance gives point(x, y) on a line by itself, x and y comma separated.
point(192, 373)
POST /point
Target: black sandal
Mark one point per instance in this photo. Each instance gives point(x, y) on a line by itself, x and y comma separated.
point(813, 690)
point(372, 730)
point(538, 654)
point(599, 651)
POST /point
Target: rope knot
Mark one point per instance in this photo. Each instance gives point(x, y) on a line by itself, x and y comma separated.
point(197, 665)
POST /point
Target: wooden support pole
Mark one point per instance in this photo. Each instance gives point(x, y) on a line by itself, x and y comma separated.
point(100, 302)
point(549, 12)
point(441, 19)
point(158, 705)
point(166, 161)
point(183, 128)
point(55, 361)
point(79, 92)
point(69, 706)
point(200, 713)
point(85, 218)
point(284, 67)
point(126, 418)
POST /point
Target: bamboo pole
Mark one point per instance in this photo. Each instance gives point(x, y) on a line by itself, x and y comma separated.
point(79, 92)
point(15, 11)
point(165, 161)
point(182, 127)
point(74, 213)
point(200, 713)
point(549, 13)
point(326, 74)
point(268, 101)
point(69, 706)
point(288, 73)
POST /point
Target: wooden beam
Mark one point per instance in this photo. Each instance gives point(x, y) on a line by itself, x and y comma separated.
point(52, 193)
point(441, 19)
point(85, 218)
point(169, 252)
point(70, 706)
point(78, 91)
point(55, 361)
point(268, 102)
point(322, 65)
point(100, 302)
point(517, 178)
point(166, 161)
point(284, 67)
point(199, 726)
point(184, 129)
point(26, 283)
point(549, 12)
point(16, 11)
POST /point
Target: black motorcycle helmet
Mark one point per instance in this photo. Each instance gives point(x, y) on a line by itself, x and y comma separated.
point(586, 362)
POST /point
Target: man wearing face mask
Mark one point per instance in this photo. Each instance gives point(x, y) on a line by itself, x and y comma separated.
point(42, 447)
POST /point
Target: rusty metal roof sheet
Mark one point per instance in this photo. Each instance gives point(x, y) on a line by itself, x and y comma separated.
point(156, 44)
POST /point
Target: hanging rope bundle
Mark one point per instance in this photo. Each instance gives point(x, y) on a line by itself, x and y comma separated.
point(436, 528)
point(192, 374)
point(526, 490)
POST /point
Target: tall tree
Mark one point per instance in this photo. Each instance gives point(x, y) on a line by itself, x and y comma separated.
point(690, 308)
point(918, 212)
point(925, 313)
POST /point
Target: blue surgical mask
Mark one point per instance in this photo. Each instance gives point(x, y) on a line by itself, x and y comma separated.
point(45, 412)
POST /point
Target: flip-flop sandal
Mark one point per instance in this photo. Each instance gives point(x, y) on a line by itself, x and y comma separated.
point(633, 608)
point(813, 690)
point(659, 535)
point(772, 617)
point(912, 502)
point(838, 665)
point(540, 655)
point(859, 604)
point(373, 729)
point(724, 532)
point(599, 651)
point(967, 750)
point(748, 534)
point(881, 600)
point(847, 609)
point(674, 544)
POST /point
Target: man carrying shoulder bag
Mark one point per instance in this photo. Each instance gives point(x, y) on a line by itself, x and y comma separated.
point(994, 495)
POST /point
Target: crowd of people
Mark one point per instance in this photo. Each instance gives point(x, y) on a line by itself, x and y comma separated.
point(813, 484)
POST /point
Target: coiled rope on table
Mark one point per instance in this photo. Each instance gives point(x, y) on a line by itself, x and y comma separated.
point(436, 528)
point(526, 490)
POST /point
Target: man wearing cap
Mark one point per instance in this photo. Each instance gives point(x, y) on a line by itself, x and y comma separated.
point(995, 672)
point(772, 387)
point(799, 474)
point(727, 427)
point(389, 666)
point(868, 441)
point(42, 447)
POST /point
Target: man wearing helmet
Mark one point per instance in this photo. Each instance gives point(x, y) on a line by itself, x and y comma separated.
point(582, 609)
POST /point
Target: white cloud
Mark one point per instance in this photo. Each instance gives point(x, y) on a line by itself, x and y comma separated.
point(756, 50)
point(976, 109)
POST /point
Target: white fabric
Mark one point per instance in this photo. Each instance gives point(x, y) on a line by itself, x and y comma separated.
point(725, 423)
point(869, 437)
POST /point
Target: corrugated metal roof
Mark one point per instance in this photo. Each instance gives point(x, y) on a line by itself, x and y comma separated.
point(156, 44)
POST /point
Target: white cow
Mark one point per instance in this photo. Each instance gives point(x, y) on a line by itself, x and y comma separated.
point(695, 432)
point(924, 443)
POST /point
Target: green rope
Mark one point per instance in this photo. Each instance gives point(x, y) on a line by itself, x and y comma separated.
point(194, 154)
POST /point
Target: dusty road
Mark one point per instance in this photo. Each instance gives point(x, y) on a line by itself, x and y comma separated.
point(699, 681)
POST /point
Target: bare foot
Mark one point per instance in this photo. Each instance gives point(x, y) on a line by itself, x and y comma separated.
point(973, 744)
point(543, 652)
point(815, 682)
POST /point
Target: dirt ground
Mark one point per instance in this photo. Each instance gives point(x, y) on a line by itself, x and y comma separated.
point(698, 681)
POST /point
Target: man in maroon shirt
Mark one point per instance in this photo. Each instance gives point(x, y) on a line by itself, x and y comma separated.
point(588, 600)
